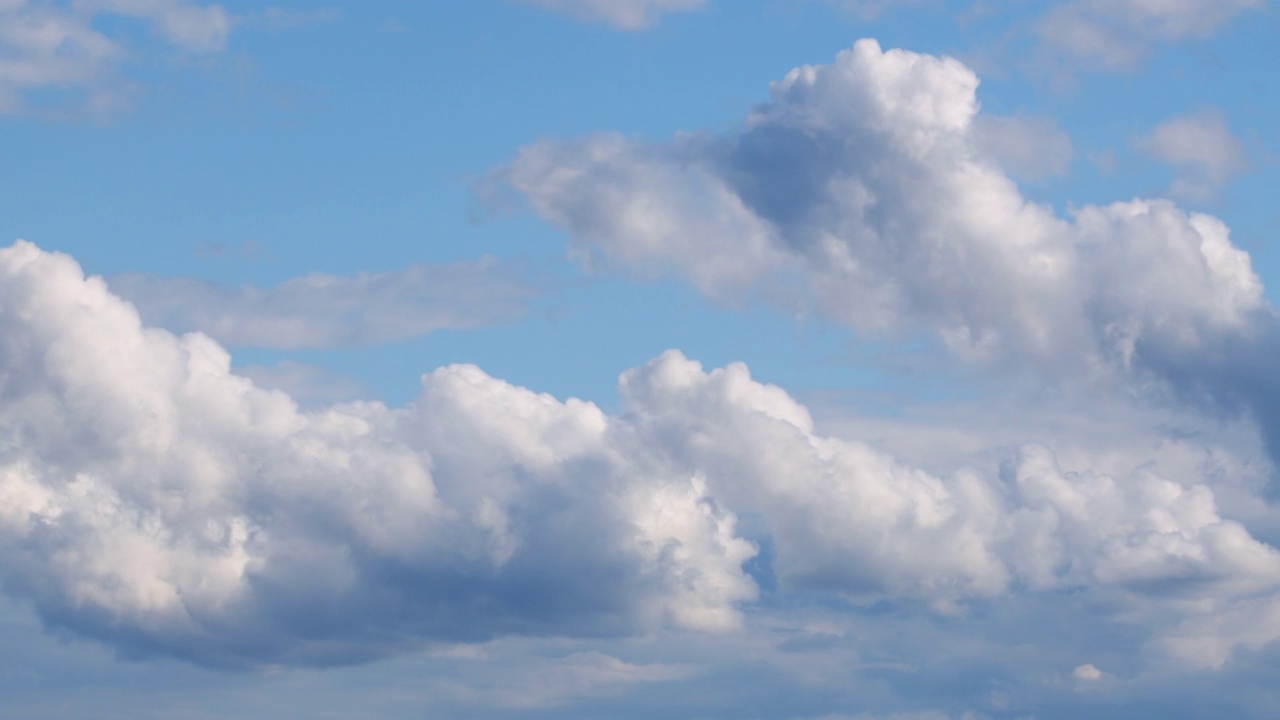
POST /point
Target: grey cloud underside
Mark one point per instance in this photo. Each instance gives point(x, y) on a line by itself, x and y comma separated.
point(154, 501)
point(867, 191)
point(324, 311)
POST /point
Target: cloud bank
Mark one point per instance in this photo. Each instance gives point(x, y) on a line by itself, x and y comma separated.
point(156, 502)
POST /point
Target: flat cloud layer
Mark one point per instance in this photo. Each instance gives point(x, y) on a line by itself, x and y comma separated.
point(154, 501)
point(864, 191)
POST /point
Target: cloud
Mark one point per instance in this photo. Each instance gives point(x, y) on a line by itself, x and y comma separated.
point(310, 386)
point(622, 14)
point(865, 192)
point(871, 9)
point(1087, 673)
point(183, 23)
point(60, 47)
point(156, 501)
point(1203, 150)
point(1118, 34)
point(558, 682)
point(325, 311)
point(284, 19)
point(153, 500)
point(1028, 148)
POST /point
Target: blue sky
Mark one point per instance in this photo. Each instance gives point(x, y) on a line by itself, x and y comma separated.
point(820, 359)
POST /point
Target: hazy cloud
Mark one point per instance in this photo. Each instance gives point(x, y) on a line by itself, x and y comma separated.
point(61, 46)
point(622, 14)
point(1118, 34)
point(323, 311)
point(1028, 148)
point(1201, 148)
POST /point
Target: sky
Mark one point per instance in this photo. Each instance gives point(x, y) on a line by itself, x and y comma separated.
point(767, 359)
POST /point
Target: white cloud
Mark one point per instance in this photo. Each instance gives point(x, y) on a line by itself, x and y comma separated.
point(1118, 34)
point(624, 14)
point(61, 46)
point(310, 386)
point(156, 501)
point(1029, 148)
point(1087, 673)
point(1214, 634)
point(1202, 148)
point(189, 25)
point(862, 192)
point(321, 310)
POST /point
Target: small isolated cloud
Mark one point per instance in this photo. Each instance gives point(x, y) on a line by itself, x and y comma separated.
point(1029, 148)
point(1087, 673)
point(1201, 149)
point(1118, 34)
point(325, 311)
point(623, 14)
point(63, 47)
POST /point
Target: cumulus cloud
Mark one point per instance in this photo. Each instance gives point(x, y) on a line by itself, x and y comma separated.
point(623, 14)
point(59, 46)
point(1203, 150)
point(866, 191)
point(1118, 34)
point(153, 500)
point(324, 311)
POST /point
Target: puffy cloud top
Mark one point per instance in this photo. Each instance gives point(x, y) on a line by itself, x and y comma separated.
point(153, 500)
point(866, 191)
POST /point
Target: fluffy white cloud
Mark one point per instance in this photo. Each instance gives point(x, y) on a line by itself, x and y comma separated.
point(50, 45)
point(848, 517)
point(322, 310)
point(862, 191)
point(1117, 34)
point(624, 14)
point(1202, 148)
point(151, 499)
